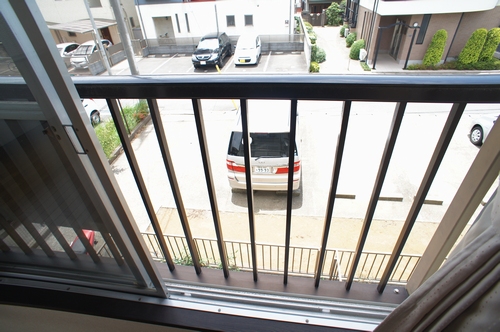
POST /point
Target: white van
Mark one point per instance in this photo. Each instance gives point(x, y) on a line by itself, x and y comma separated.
point(80, 57)
point(269, 127)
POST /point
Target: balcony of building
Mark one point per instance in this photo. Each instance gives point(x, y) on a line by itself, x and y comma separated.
point(72, 241)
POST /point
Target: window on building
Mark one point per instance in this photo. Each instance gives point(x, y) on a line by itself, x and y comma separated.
point(230, 21)
point(178, 25)
point(423, 28)
point(248, 20)
point(132, 23)
point(187, 22)
point(71, 34)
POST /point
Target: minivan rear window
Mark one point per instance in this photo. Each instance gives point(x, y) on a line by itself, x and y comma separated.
point(262, 144)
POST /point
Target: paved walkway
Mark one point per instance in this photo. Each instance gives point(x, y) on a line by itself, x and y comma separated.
point(337, 55)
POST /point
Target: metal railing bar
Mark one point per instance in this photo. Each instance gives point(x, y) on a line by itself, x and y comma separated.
point(139, 180)
point(406, 266)
point(153, 246)
point(169, 168)
point(380, 265)
point(3, 246)
point(14, 236)
point(115, 253)
point(438, 155)
point(379, 182)
point(346, 110)
point(28, 225)
point(248, 179)
point(200, 125)
point(372, 265)
point(291, 164)
point(12, 169)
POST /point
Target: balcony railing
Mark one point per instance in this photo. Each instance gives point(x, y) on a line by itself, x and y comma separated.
point(270, 258)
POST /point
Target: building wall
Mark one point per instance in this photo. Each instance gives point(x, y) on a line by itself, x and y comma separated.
point(471, 22)
point(450, 22)
point(72, 10)
point(269, 17)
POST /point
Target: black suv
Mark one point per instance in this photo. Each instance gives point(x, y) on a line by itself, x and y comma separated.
point(211, 50)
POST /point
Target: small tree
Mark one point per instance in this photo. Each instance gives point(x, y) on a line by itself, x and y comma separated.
point(473, 47)
point(435, 50)
point(490, 45)
point(356, 47)
point(335, 12)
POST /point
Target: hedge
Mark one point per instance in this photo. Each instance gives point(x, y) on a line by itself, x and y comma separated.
point(317, 54)
point(435, 50)
point(356, 47)
point(350, 39)
point(314, 67)
point(473, 47)
point(490, 45)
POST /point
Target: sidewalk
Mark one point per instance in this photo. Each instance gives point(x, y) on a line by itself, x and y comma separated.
point(337, 55)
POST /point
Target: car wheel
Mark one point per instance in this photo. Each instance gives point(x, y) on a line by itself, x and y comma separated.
point(476, 135)
point(95, 118)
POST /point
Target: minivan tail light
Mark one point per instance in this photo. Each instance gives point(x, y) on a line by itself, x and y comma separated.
point(232, 166)
point(284, 170)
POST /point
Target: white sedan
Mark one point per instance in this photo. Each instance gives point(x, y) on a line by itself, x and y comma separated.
point(480, 129)
point(92, 111)
point(248, 50)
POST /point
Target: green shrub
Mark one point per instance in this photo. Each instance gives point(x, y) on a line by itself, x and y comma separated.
point(308, 26)
point(350, 39)
point(314, 67)
point(317, 54)
point(334, 13)
point(342, 29)
point(106, 131)
point(435, 50)
point(473, 47)
point(108, 137)
point(356, 47)
point(492, 64)
point(312, 37)
point(490, 45)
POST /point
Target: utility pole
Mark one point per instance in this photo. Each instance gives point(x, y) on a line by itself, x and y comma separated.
point(124, 36)
point(98, 38)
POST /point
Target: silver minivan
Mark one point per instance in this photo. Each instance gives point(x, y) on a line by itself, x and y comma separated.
point(269, 127)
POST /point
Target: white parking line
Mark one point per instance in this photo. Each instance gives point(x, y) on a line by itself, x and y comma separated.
point(267, 61)
point(163, 63)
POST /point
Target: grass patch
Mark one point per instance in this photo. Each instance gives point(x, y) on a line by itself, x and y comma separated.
point(365, 66)
point(106, 131)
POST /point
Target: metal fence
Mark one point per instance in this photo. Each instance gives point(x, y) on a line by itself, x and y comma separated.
point(270, 259)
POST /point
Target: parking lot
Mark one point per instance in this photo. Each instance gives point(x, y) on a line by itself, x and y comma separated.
point(271, 62)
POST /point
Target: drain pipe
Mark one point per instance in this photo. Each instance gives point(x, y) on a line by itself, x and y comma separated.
point(454, 35)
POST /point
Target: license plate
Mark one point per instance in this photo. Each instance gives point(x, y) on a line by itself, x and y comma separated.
point(258, 169)
point(203, 62)
point(242, 60)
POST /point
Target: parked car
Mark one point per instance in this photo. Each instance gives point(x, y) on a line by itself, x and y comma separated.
point(480, 128)
point(269, 127)
point(66, 50)
point(248, 50)
point(212, 50)
point(92, 111)
point(80, 59)
point(77, 244)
